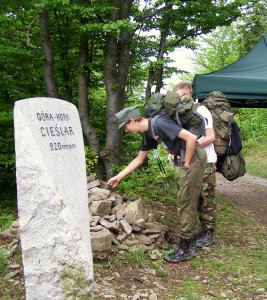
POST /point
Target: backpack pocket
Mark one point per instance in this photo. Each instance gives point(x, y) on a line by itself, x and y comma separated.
point(223, 121)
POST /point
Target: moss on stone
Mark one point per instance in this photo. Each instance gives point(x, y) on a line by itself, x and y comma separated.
point(75, 284)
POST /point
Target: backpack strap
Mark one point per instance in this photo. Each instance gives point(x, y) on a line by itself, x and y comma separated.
point(155, 136)
point(177, 117)
point(153, 122)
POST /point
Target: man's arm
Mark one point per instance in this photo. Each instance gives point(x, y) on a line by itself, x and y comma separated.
point(209, 137)
point(190, 140)
point(134, 164)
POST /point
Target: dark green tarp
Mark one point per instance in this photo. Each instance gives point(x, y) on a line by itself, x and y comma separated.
point(244, 82)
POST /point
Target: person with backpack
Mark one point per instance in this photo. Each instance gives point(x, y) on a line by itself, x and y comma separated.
point(163, 129)
point(207, 201)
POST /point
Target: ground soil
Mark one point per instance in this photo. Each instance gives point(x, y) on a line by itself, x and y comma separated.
point(248, 192)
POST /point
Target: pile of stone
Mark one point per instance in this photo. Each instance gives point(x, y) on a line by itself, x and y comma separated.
point(115, 221)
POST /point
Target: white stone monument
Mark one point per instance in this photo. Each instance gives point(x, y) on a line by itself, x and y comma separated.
point(52, 200)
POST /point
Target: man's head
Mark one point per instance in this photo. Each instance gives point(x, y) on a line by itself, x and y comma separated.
point(127, 114)
point(183, 89)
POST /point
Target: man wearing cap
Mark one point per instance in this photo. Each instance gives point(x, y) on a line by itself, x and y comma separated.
point(193, 159)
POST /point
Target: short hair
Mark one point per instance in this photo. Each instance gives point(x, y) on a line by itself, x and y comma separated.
point(183, 85)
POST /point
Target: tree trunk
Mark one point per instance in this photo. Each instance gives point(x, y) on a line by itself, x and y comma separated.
point(88, 130)
point(116, 66)
point(164, 32)
point(48, 57)
point(150, 82)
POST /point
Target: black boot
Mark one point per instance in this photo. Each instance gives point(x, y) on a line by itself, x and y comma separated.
point(193, 247)
point(184, 252)
point(205, 238)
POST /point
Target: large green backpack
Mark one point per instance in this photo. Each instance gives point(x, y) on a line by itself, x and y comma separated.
point(183, 112)
point(223, 118)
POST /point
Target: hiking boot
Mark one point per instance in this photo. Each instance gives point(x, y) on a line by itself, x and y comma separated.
point(205, 238)
point(183, 252)
point(192, 246)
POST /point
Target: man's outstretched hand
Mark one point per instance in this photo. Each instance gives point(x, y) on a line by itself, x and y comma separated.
point(114, 181)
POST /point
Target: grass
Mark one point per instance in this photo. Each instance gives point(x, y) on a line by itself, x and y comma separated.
point(6, 218)
point(236, 266)
point(232, 268)
point(239, 260)
point(256, 157)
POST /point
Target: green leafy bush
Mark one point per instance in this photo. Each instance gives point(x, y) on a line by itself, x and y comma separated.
point(252, 123)
point(149, 182)
point(7, 156)
point(90, 159)
point(5, 220)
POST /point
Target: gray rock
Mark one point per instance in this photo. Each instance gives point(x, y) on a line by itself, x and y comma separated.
point(156, 226)
point(93, 184)
point(135, 210)
point(152, 231)
point(117, 208)
point(139, 222)
point(100, 208)
point(96, 228)
point(121, 237)
point(104, 185)
point(133, 242)
point(109, 225)
point(7, 234)
point(110, 218)
point(137, 296)
point(143, 239)
point(101, 240)
point(98, 194)
point(126, 226)
point(94, 220)
point(91, 178)
point(153, 297)
point(15, 224)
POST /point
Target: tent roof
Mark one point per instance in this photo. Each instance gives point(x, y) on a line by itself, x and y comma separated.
point(244, 82)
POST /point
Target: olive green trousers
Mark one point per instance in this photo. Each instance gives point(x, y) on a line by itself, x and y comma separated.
point(189, 189)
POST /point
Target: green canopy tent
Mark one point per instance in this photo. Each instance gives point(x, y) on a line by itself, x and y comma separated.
point(244, 82)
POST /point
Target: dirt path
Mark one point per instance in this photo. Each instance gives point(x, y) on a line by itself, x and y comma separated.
point(249, 192)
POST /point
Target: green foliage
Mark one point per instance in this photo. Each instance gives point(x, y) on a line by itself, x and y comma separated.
point(217, 50)
point(3, 261)
point(252, 123)
point(97, 116)
point(255, 152)
point(149, 181)
point(6, 218)
point(7, 161)
point(90, 159)
point(253, 25)
point(136, 257)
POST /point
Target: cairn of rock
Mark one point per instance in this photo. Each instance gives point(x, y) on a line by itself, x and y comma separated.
point(117, 222)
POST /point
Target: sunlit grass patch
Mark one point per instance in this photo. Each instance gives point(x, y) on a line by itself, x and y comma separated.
point(256, 149)
point(189, 290)
point(238, 258)
point(6, 219)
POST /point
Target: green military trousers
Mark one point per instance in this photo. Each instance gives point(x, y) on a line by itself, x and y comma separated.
point(207, 201)
point(189, 189)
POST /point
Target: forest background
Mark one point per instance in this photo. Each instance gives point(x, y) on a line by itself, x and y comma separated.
point(105, 55)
